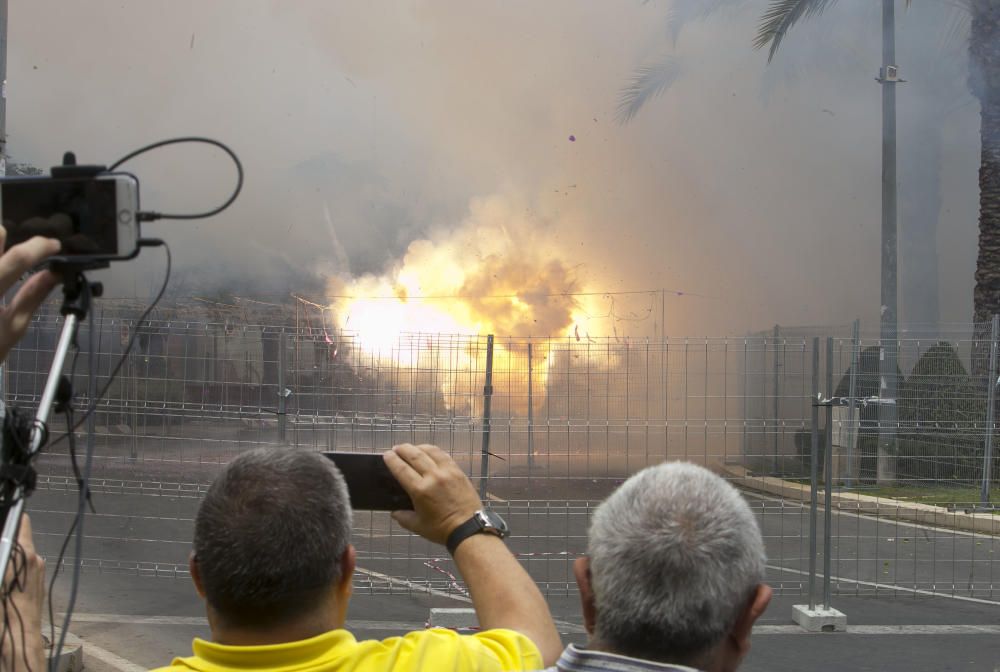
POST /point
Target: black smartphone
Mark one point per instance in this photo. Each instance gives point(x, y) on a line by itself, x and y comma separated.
point(371, 485)
point(95, 218)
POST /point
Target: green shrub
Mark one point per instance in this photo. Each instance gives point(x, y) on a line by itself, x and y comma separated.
point(942, 412)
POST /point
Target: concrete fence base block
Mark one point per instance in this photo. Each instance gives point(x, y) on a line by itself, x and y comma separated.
point(453, 618)
point(70, 660)
point(819, 619)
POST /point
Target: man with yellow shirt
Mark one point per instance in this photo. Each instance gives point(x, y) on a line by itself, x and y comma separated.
point(273, 561)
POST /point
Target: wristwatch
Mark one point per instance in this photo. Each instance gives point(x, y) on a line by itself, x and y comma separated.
point(481, 521)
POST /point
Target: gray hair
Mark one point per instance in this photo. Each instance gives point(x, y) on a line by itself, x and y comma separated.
point(675, 555)
point(269, 535)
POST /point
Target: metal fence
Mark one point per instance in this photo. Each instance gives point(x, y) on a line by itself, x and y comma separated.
point(940, 429)
point(547, 426)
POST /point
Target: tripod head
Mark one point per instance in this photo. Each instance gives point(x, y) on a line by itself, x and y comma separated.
point(69, 168)
point(77, 290)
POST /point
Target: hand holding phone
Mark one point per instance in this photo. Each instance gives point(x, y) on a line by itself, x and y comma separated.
point(15, 316)
point(443, 495)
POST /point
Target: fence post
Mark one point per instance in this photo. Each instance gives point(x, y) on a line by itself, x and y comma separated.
point(774, 418)
point(808, 616)
point(828, 478)
point(484, 472)
point(852, 434)
point(281, 387)
point(134, 420)
point(813, 474)
point(746, 411)
point(134, 394)
point(991, 386)
point(531, 416)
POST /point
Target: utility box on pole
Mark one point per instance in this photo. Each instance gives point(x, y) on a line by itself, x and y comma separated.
point(845, 444)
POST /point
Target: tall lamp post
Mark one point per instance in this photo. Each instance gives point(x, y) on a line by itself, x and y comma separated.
point(889, 330)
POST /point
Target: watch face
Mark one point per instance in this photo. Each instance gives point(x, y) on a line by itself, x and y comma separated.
point(494, 523)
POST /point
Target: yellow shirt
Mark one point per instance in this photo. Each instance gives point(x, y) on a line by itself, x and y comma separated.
point(337, 651)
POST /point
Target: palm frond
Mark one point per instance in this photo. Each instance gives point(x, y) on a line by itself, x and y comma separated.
point(957, 26)
point(956, 31)
point(780, 16)
point(648, 82)
point(683, 12)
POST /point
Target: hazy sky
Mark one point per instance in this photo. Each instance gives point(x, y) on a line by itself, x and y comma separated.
point(367, 126)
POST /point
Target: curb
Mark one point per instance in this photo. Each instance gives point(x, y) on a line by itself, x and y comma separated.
point(926, 514)
point(70, 658)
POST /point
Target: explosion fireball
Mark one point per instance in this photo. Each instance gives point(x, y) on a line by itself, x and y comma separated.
point(496, 274)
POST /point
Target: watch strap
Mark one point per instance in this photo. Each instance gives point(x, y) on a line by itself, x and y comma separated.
point(470, 527)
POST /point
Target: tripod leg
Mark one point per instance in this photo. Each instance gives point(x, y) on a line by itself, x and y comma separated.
point(13, 519)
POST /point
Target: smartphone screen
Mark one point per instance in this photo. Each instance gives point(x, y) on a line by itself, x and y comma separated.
point(371, 485)
point(82, 213)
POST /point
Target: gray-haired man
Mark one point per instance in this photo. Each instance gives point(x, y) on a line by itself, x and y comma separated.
point(673, 576)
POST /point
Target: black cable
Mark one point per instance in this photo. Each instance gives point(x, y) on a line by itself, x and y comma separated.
point(152, 216)
point(52, 583)
point(92, 406)
point(24, 639)
point(77, 475)
point(59, 561)
point(68, 410)
point(74, 465)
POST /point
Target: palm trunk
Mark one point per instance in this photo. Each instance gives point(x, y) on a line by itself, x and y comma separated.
point(984, 80)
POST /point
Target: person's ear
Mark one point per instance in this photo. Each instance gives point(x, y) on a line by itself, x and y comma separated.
point(739, 636)
point(196, 574)
point(581, 569)
point(348, 561)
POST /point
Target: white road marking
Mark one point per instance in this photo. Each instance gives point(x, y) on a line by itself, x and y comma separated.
point(412, 586)
point(400, 626)
point(886, 586)
point(885, 630)
point(886, 519)
point(91, 650)
point(562, 626)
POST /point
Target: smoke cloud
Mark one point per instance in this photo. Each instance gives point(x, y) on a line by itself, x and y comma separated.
point(496, 272)
point(383, 138)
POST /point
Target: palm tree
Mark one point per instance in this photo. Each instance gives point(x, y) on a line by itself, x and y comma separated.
point(939, 68)
point(921, 212)
point(984, 83)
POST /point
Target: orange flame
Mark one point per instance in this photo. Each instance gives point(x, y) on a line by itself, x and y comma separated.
point(496, 274)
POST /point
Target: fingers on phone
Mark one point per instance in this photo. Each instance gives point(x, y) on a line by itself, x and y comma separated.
point(401, 470)
point(416, 457)
point(27, 300)
point(21, 258)
point(440, 457)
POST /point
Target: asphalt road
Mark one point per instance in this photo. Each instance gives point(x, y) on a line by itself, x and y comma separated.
point(149, 532)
